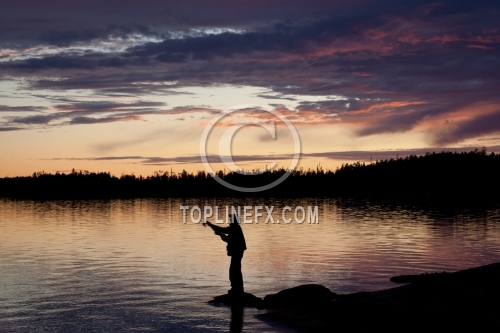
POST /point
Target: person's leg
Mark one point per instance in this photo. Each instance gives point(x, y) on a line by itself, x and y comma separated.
point(235, 275)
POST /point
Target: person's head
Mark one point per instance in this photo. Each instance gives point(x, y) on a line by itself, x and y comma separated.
point(234, 219)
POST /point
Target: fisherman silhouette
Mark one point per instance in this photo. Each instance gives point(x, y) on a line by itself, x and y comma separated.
point(233, 236)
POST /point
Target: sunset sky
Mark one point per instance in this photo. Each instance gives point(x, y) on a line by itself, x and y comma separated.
point(128, 86)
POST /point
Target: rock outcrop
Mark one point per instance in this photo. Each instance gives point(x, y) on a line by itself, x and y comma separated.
point(242, 300)
point(308, 295)
point(465, 300)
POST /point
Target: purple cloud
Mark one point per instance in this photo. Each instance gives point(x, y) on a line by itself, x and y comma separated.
point(395, 64)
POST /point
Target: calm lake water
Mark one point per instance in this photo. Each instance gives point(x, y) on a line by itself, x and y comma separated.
point(132, 265)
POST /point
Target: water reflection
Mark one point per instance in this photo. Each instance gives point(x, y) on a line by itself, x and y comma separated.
point(126, 265)
point(236, 325)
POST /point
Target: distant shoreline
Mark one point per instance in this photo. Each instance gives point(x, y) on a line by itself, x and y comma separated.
point(445, 176)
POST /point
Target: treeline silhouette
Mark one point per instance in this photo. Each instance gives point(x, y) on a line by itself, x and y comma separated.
point(474, 174)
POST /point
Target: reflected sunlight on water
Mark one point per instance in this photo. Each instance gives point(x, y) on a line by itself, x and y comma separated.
point(132, 265)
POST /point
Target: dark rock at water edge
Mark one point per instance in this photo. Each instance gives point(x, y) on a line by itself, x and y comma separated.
point(482, 274)
point(309, 295)
point(465, 300)
point(244, 300)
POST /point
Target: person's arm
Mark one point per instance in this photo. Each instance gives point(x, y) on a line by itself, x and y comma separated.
point(218, 230)
point(225, 238)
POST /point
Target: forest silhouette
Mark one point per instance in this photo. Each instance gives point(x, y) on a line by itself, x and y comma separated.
point(472, 174)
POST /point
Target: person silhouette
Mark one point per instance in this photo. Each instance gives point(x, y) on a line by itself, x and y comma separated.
point(236, 245)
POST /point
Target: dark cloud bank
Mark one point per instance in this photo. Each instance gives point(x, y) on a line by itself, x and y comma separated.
point(395, 64)
point(348, 156)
